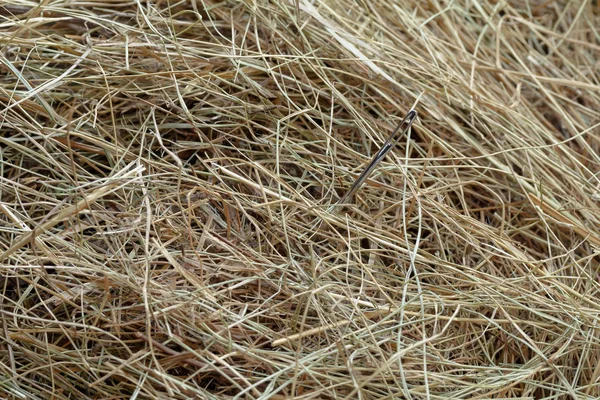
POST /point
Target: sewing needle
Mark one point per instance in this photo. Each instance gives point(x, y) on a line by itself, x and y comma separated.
point(380, 155)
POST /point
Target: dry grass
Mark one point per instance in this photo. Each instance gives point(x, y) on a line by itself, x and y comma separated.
point(166, 175)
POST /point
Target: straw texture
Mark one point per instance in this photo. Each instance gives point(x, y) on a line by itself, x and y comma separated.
point(167, 169)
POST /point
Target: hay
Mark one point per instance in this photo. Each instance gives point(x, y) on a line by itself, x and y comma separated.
point(167, 170)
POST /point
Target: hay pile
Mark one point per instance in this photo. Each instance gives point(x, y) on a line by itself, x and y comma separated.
point(167, 170)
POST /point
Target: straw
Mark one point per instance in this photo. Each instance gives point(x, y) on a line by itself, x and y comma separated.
point(202, 200)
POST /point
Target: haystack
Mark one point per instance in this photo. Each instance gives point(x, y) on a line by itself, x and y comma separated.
point(171, 172)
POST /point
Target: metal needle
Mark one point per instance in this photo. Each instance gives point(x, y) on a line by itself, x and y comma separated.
point(387, 146)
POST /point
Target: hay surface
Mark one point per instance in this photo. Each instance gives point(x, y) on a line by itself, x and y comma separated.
point(167, 169)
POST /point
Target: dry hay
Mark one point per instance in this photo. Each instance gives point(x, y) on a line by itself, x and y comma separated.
point(167, 170)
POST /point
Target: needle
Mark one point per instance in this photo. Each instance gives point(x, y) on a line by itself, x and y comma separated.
point(387, 146)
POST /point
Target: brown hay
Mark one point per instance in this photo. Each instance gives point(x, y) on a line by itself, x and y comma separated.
point(167, 169)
